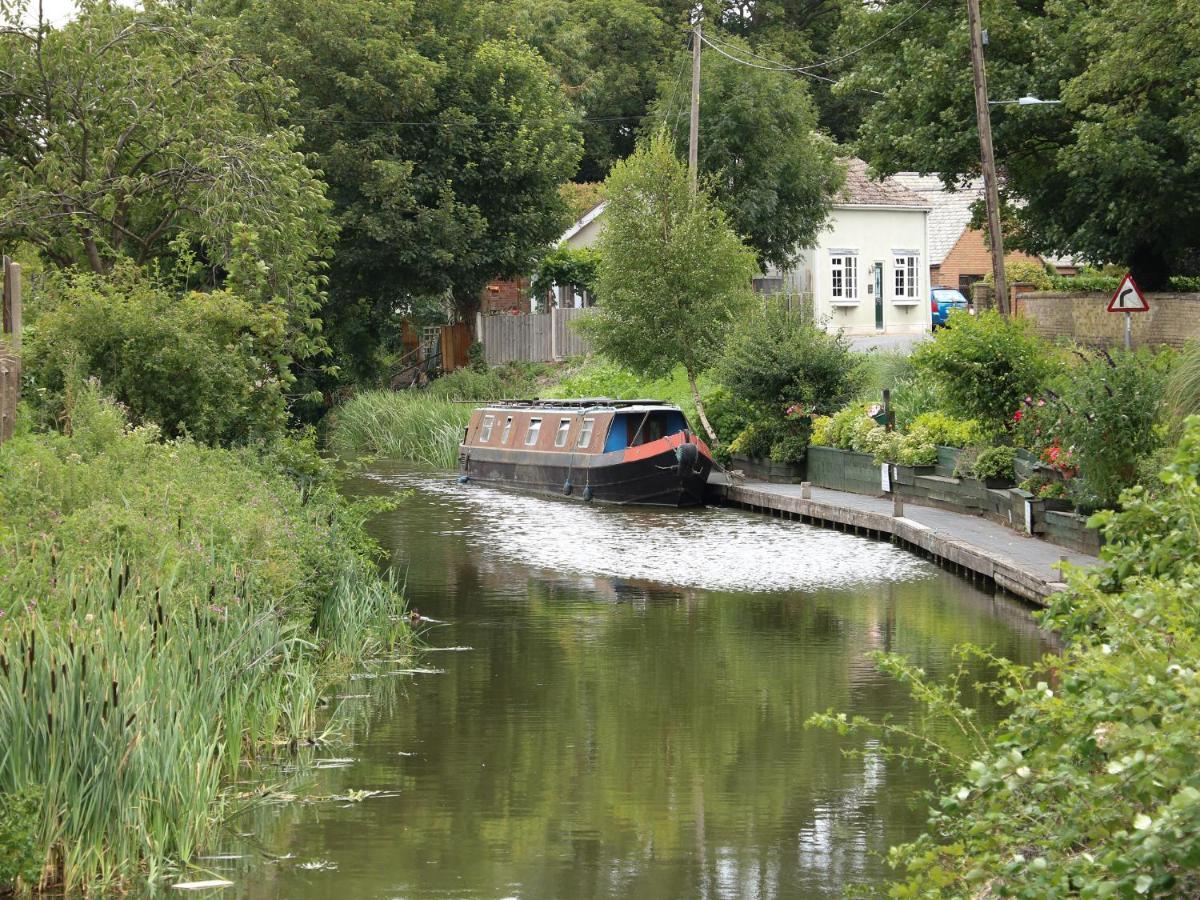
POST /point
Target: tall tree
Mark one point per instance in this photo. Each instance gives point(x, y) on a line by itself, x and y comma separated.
point(443, 151)
point(1112, 174)
point(142, 135)
point(608, 54)
point(673, 275)
point(769, 167)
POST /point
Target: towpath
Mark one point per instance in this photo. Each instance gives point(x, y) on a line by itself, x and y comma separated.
point(1025, 566)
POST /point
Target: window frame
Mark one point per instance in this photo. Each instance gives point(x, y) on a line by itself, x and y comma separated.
point(906, 276)
point(844, 281)
point(506, 431)
point(586, 429)
point(562, 432)
point(486, 427)
point(533, 431)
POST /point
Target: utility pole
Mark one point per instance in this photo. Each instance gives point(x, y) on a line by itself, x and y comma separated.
point(983, 117)
point(694, 125)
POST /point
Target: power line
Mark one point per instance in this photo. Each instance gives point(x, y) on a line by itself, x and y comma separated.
point(825, 63)
point(322, 120)
point(667, 118)
point(780, 67)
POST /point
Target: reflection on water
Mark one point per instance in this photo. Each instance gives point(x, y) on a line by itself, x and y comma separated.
point(630, 719)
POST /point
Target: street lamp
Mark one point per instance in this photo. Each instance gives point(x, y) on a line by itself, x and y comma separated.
point(1025, 101)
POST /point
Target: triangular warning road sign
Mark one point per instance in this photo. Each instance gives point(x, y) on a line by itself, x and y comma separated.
point(1129, 297)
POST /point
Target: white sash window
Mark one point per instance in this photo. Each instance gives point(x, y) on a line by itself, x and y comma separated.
point(843, 275)
point(905, 270)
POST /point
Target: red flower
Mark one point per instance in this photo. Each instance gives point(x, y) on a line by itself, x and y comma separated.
point(1017, 416)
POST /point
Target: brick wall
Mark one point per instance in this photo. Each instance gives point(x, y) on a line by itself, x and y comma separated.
point(505, 296)
point(970, 256)
point(1173, 319)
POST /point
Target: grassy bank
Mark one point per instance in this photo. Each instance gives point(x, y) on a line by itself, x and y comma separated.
point(409, 425)
point(167, 612)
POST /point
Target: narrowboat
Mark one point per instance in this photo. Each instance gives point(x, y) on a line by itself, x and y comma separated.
point(608, 451)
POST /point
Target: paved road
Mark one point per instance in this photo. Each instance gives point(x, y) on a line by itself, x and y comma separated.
point(902, 343)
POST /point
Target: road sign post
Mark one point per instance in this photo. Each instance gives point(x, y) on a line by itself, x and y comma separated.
point(1128, 299)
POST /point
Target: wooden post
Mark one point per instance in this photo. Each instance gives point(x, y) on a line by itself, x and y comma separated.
point(983, 118)
point(10, 345)
point(694, 122)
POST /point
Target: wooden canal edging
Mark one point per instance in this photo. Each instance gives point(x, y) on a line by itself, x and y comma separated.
point(968, 558)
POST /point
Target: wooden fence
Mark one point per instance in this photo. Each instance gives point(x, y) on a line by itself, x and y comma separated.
point(537, 337)
point(10, 347)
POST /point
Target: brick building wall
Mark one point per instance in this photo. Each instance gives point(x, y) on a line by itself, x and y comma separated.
point(505, 296)
point(1173, 319)
point(970, 257)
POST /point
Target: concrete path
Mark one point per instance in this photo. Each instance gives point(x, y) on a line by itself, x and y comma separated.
point(1023, 565)
point(901, 343)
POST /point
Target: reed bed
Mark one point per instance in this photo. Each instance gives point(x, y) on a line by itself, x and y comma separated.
point(168, 613)
point(406, 425)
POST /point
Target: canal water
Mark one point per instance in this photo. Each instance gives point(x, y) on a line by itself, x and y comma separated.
point(614, 705)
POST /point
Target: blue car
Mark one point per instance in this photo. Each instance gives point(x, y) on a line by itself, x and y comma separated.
point(942, 300)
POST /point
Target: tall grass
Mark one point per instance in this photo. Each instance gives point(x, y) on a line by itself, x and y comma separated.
point(167, 612)
point(400, 425)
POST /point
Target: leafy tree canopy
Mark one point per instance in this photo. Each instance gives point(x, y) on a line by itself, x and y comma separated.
point(1111, 174)
point(607, 53)
point(444, 150)
point(141, 135)
point(673, 275)
point(769, 168)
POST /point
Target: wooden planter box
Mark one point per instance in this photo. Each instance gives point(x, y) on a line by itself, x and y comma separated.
point(765, 469)
point(1068, 529)
point(908, 474)
point(844, 470)
point(947, 461)
point(995, 484)
point(1058, 504)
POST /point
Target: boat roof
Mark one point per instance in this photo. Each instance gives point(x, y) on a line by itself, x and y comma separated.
point(580, 403)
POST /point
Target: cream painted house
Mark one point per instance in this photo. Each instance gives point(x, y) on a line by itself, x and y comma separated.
point(869, 272)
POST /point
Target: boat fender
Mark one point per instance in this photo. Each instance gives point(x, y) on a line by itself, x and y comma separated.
point(587, 493)
point(463, 479)
point(568, 487)
point(686, 455)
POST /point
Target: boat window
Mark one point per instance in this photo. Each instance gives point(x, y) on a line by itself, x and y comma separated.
point(633, 429)
point(531, 436)
point(507, 430)
point(485, 433)
point(564, 426)
point(585, 433)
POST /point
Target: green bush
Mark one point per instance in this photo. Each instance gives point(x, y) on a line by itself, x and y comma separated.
point(1092, 283)
point(995, 462)
point(945, 430)
point(468, 384)
point(20, 853)
point(1018, 271)
point(1091, 786)
point(210, 366)
point(1110, 420)
point(984, 365)
point(913, 396)
point(838, 430)
point(774, 359)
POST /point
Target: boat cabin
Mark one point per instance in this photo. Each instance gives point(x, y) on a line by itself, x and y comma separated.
point(573, 426)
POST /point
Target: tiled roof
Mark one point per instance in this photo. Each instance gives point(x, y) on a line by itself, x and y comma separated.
point(950, 212)
point(861, 190)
